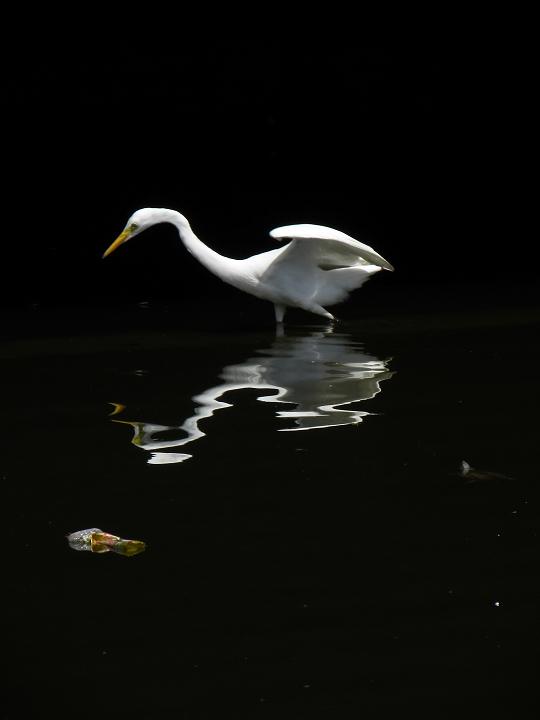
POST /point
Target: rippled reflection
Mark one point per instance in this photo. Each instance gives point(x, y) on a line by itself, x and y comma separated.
point(316, 376)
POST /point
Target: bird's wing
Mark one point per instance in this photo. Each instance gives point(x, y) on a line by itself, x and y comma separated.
point(329, 248)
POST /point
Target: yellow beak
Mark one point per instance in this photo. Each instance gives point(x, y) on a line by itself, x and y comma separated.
point(117, 408)
point(119, 240)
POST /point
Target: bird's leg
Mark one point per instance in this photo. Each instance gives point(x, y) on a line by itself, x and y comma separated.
point(280, 312)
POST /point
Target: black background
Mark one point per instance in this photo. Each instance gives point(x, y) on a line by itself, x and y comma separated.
point(417, 148)
point(411, 147)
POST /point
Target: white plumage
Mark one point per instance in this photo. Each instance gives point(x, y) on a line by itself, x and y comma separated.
point(319, 266)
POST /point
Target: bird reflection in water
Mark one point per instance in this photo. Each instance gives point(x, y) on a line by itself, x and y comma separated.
point(318, 374)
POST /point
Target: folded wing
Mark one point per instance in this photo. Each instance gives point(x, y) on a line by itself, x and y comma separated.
point(319, 265)
point(330, 248)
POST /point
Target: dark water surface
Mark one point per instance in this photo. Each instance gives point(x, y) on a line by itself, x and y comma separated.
point(313, 550)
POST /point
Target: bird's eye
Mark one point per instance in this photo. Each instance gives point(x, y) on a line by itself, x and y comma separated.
point(133, 226)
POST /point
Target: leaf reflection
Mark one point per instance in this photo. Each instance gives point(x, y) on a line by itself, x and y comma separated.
point(316, 375)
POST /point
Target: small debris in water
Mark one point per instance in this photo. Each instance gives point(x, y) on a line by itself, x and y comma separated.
point(472, 475)
point(96, 541)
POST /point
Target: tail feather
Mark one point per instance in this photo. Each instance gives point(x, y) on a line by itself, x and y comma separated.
point(338, 283)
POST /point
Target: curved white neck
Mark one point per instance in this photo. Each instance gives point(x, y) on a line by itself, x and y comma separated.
point(221, 266)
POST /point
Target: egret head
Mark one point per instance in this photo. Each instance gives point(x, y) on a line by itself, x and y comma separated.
point(139, 221)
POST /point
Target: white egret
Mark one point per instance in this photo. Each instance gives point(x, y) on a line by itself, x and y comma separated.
point(308, 381)
point(320, 266)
